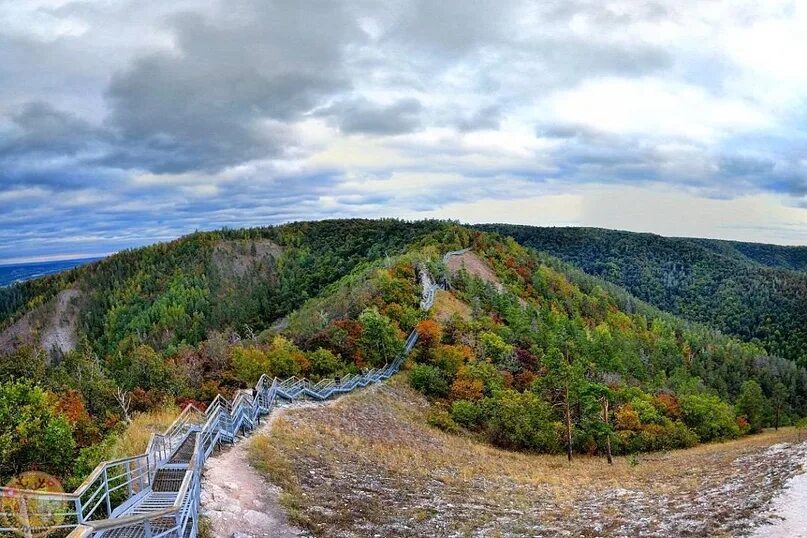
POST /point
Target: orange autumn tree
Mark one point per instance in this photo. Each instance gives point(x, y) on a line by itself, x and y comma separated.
point(430, 333)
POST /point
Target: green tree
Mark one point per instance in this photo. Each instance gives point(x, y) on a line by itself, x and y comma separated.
point(751, 405)
point(249, 363)
point(379, 342)
point(145, 368)
point(522, 421)
point(284, 358)
point(709, 416)
point(324, 363)
point(428, 380)
point(563, 383)
point(25, 363)
point(494, 347)
point(778, 401)
point(32, 433)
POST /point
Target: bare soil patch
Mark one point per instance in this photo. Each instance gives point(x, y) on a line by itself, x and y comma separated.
point(370, 465)
point(60, 330)
point(475, 266)
point(51, 326)
point(241, 257)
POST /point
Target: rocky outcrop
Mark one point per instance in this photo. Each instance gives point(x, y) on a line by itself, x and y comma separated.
point(51, 326)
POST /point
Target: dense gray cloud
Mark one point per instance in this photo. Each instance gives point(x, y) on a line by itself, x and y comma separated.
point(40, 130)
point(363, 116)
point(126, 122)
point(210, 103)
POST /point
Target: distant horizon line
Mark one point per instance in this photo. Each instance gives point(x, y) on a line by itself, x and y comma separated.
point(27, 260)
point(8, 262)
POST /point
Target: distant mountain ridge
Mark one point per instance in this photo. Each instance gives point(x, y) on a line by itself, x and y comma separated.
point(12, 273)
point(792, 258)
point(755, 291)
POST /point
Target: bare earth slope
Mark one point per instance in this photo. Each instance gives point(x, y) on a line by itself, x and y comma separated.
point(475, 265)
point(51, 326)
point(370, 465)
point(242, 257)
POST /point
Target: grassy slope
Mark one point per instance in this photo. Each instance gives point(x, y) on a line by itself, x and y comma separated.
point(371, 465)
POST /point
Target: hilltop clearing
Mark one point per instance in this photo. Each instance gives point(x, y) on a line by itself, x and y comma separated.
point(371, 465)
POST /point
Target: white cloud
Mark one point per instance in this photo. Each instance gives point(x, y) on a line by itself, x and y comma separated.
point(655, 108)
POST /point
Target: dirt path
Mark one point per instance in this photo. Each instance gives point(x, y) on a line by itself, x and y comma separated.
point(237, 500)
point(788, 518)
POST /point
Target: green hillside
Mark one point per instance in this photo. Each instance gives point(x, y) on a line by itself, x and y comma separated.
point(523, 350)
point(755, 292)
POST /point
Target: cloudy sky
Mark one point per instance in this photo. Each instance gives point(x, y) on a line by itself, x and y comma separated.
point(127, 122)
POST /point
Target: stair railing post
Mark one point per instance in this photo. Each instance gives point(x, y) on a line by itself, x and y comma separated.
point(26, 519)
point(129, 476)
point(79, 509)
point(106, 490)
point(140, 484)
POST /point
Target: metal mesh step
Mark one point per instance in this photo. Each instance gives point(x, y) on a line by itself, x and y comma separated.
point(185, 450)
point(168, 479)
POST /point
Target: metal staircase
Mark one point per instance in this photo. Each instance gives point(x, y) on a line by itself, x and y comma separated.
point(156, 494)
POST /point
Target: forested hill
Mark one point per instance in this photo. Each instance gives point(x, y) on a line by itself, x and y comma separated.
point(173, 293)
point(775, 256)
point(523, 348)
point(754, 291)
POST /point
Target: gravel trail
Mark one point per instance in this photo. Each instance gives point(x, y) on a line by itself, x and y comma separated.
point(237, 500)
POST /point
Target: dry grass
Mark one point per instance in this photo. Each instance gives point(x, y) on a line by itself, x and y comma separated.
point(205, 529)
point(447, 305)
point(135, 437)
point(371, 464)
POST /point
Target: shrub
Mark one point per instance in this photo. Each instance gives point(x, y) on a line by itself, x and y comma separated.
point(709, 416)
point(663, 437)
point(743, 424)
point(484, 371)
point(428, 380)
point(668, 405)
point(450, 358)
point(466, 413)
point(249, 363)
point(429, 333)
point(522, 420)
point(494, 347)
point(467, 389)
point(442, 420)
point(32, 433)
point(324, 363)
point(627, 418)
point(648, 414)
point(285, 359)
